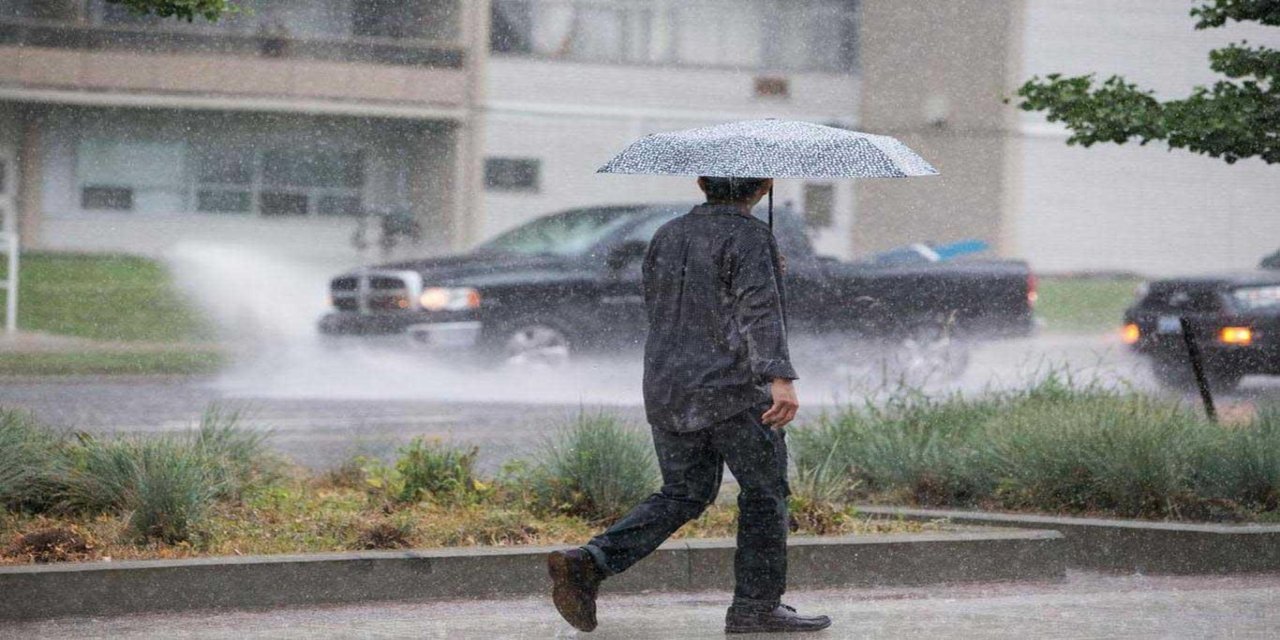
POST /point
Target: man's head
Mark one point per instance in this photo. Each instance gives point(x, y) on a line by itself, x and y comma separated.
point(741, 191)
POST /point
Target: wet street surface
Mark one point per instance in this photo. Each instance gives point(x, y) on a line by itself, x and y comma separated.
point(1083, 606)
point(316, 432)
point(324, 407)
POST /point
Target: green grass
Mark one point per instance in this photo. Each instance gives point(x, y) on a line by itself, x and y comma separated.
point(166, 362)
point(1055, 447)
point(103, 297)
point(1082, 305)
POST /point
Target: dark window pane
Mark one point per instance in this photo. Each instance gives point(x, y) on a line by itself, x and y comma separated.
point(302, 168)
point(218, 201)
point(511, 174)
point(225, 166)
point(387, 18)
point(272, 203)
point(512, 28)
point(103, 197)
point(338, 206)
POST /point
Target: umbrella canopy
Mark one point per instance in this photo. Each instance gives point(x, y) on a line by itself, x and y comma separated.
point(769, 149)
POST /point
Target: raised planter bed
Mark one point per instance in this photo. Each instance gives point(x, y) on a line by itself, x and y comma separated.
point(1133, 545)
point(117, 588)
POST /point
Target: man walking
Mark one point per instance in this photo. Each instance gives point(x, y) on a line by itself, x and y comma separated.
point(717, 390)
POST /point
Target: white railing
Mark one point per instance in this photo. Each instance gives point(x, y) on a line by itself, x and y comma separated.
point(9, 241)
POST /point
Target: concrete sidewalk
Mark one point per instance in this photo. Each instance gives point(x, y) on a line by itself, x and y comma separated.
point(1084, 606)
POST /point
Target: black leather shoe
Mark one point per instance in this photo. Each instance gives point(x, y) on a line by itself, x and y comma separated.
point(782, 619)
point(575, 582)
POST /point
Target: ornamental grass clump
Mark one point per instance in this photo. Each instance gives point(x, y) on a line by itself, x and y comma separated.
point(165, 484)
point(29, 462)
point(910, 442)
point(1250, 463)
point(597, 468)
point(1095, 449)
point(1056, 446)
point(237, 455)
point(820, 491)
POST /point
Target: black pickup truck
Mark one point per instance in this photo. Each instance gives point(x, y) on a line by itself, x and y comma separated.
point(570, 283)
point(1235, 318)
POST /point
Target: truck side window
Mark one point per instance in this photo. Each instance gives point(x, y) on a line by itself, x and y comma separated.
point(644, 231)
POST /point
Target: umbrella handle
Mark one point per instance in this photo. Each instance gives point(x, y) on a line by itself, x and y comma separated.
point(770, 208)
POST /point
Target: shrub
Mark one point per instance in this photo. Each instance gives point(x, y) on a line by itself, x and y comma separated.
point(165, 483)
point(236, 455)
point(1054, 446)
point(1100, 449)
point(597, 467)
point(426, 470)
point(1250, 463)
point(913, 442)
point(29, 461)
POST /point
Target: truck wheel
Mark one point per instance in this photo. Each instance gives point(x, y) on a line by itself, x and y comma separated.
point(535, 346)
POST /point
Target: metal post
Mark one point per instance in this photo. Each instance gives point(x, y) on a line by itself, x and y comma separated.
point(10, 284)
point(1197, 367)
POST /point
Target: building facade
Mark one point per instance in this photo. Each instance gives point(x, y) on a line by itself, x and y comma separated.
point(297, 123)
point(570, 82)
point(283, 125)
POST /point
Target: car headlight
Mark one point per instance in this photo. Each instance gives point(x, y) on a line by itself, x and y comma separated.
point(1251, 298)
point(449, 298)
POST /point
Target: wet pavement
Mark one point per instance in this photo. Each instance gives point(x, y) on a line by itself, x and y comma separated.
point(325, 406)
point(1083, 606)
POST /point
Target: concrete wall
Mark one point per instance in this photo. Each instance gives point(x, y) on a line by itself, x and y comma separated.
point(934, 74)
point(1144, 209)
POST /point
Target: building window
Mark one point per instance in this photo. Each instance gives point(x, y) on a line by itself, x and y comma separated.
point(305, 181)
point(816, 35)
point(132, 175)
point(819, 205)
point(512, 174)
point(175, 177)
point(108, 198)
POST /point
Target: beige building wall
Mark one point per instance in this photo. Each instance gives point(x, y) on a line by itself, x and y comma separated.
point(935, 74)
point(1128, 207)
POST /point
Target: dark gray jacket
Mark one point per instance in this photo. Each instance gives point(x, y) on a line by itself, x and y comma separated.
point(717, 328)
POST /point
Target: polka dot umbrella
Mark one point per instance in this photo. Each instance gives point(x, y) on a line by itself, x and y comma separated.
point(769, 149)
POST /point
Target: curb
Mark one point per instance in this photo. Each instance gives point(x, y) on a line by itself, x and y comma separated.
point(1171, 548)
point(119, 588)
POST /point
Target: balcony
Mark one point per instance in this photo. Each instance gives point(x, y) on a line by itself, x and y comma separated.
point(423, 33)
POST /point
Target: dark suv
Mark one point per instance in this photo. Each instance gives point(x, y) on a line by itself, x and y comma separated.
point(1235, 318)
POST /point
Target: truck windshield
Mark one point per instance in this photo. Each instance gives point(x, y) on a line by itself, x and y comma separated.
point(568, 234)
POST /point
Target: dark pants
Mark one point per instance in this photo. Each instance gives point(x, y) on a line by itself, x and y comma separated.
point(691, 465)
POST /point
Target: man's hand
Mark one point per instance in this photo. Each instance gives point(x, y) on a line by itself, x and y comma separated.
point(785, 404)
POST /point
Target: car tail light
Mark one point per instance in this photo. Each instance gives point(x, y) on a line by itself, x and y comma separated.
point(1236, 335)
point(1131, 333)
point(1033, 285)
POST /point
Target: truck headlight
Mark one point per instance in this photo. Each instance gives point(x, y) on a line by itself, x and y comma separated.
point(449, 298)
point(1250, 298)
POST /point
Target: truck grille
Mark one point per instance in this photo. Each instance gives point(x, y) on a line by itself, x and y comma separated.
point(375, 292)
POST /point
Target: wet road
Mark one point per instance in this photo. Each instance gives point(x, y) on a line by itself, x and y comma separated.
point(1084, 606)
point(324, 407)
